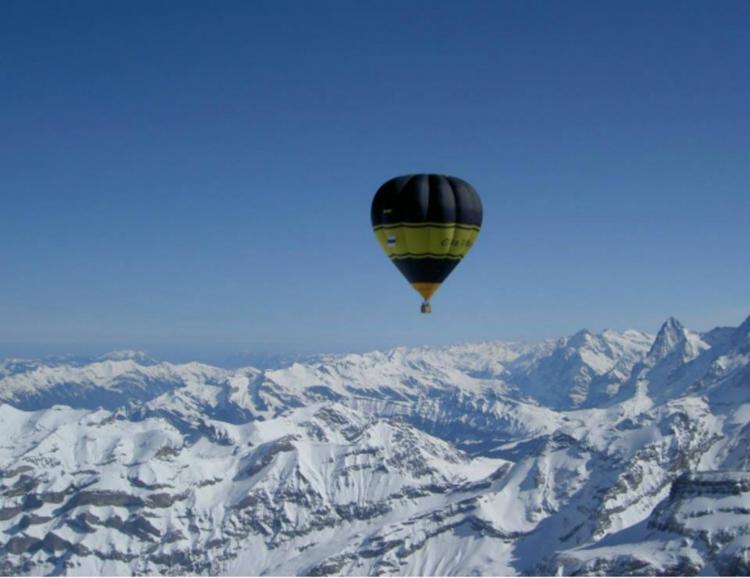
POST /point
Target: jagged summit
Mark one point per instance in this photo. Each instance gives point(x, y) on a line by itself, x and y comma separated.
point(580, 338)
point(743, 330)
point(671, 333)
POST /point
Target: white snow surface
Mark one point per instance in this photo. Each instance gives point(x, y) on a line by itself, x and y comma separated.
point(610, 453)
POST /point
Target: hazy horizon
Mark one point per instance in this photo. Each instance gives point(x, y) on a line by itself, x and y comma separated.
point(232, 357)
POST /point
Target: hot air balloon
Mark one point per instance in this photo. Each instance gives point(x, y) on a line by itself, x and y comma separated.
point(426, 224)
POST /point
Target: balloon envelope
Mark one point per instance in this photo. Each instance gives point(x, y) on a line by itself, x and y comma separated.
point(426, 224)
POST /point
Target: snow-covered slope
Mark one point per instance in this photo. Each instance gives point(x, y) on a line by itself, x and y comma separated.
point(107, 383)
point(610, 453)
point(582, 370)
point(122, 495)
point(703, 526)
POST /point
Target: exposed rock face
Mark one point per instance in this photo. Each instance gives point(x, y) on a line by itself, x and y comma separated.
point(595, 454)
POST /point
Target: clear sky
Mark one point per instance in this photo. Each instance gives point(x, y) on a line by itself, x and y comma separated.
point(195, 178)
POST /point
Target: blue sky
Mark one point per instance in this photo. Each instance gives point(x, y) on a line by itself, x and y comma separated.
point(195, 179)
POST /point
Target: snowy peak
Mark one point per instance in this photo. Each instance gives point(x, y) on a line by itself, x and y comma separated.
point(584, 368)
point(682, 362)
point(743, 332)
point(674, 339)
point(672, 333)
point(581, 339)
point(140, 357)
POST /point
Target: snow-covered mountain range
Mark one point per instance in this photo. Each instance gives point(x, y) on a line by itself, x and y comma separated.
point(611, 453)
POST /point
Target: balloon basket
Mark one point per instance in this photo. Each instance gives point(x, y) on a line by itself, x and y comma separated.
point(426, 307)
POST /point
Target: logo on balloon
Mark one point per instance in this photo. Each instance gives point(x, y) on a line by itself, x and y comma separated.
point(456, 243)
point(392, 241)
